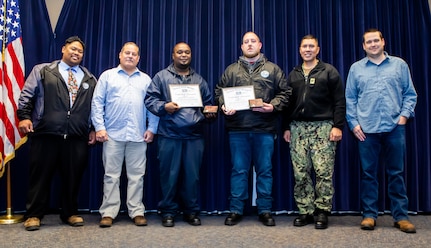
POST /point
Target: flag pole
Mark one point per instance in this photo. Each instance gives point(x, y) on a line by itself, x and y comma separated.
point(9, 218)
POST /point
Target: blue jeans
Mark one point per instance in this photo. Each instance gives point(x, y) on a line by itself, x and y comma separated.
point(246, 148)
point(388, 148)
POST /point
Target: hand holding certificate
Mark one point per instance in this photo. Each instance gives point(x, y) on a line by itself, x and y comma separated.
point(186, 95)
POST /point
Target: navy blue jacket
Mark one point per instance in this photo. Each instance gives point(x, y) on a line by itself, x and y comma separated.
point(186, 123)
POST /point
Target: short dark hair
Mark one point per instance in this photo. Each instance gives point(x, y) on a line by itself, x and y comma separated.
point(73, 39)
point(130, 43)
point(309, 37)
point(250, 32)
point(371, 30)
point(181, 42)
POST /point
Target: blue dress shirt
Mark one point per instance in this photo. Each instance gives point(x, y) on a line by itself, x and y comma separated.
point(118, 105)
point(77, 72)
point(378, 95)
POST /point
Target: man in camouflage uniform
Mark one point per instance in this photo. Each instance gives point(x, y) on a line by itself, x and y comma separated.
point(313, 126)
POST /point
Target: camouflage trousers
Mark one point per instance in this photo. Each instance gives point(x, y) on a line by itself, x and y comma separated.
point(310, 148)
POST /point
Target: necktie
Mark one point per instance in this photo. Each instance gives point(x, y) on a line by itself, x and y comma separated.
point(72, 85)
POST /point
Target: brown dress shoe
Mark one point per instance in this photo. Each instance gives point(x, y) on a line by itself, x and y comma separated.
point(368, 224)
point(75, 220)
point(405, 226)
point(105, 222)
point(32, 224)
point(140, 220)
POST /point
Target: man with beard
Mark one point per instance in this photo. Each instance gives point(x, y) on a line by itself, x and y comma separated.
point(252, 132)
point(180, 137)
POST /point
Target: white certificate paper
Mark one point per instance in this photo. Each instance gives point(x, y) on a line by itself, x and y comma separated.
point(186, 95)
point(237, 97)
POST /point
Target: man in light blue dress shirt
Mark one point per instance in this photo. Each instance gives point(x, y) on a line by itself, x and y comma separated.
point(380, 98)
point(119, 117)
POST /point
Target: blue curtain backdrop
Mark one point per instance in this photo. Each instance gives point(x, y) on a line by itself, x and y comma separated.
point(214, 30)
point(339, 26)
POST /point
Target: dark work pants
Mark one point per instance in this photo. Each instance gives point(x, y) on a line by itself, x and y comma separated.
point(49, 154)
point(180, 162)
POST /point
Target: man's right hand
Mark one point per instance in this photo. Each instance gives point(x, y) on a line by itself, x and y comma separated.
point(171, 107)
point(228, 111)
point(25, 126)
point(101, 136)
point(357, 131)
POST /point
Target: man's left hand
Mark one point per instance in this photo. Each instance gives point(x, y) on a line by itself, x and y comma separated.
point(336, 134)
point(92, 138)
point(267, 108)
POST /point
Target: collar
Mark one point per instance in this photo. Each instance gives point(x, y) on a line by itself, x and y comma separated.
point(120, 69)
point(65, 67)
point(387, 57)
point(171, 68)
point(243, 60)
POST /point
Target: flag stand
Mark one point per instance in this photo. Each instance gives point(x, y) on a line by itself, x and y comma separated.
point(9, 218)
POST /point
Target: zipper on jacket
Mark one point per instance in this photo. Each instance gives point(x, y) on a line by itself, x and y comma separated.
point(68, 119)
point(305, 89)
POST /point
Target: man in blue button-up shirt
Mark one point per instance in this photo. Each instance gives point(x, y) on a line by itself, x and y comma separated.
point(119, 117)
point(380, 98)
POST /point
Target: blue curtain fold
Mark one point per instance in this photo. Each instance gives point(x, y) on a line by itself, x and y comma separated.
point(214, 30)
point(38, 38)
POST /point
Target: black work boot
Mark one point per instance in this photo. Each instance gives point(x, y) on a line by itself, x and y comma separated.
point(321, 221)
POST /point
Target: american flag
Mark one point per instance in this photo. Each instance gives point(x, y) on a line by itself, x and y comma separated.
point(12, 79)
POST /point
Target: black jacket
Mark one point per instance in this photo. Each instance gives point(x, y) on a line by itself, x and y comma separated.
point(269, 83)
point(318, 97)
point(45, 101)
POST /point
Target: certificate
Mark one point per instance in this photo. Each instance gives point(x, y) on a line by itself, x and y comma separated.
point(237, 97)
point(186, 95)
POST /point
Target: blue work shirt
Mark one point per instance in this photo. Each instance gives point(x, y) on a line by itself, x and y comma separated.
point(118, 105)
point(378, 95)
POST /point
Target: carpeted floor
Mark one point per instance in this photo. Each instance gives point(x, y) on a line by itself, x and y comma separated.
point(343, 231)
